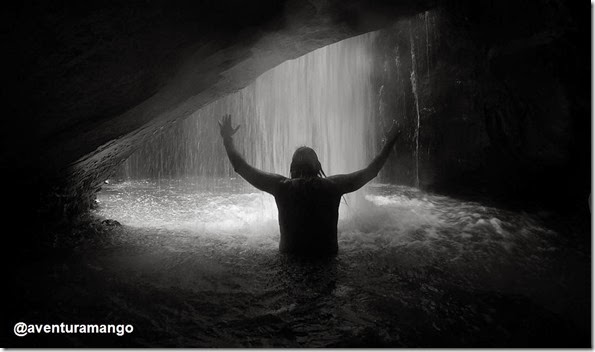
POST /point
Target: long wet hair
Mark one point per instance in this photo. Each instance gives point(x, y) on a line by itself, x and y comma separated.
point(305, 164)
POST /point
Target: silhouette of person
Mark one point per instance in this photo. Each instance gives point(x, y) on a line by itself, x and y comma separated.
point(308, 203)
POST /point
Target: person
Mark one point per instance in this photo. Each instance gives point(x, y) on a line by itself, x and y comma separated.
point(307, 202)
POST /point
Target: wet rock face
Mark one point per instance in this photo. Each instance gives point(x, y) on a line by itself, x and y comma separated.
point(90, 81)
point(496, 95)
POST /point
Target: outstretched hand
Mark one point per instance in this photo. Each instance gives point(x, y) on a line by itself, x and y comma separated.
point(225, 127)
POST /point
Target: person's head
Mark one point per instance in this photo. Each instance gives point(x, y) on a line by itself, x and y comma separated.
point(305, 164)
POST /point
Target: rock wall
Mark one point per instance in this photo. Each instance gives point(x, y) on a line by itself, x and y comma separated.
point(500, 92)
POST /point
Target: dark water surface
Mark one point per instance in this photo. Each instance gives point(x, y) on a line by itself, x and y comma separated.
point(199, 267)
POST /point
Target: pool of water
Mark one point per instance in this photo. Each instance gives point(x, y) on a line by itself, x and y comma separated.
point(414, 269)
point(411, 227)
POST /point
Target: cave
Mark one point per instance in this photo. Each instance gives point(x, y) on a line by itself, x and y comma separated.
point(126, 210)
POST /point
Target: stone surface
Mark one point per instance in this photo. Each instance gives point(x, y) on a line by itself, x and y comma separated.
point(503, 101)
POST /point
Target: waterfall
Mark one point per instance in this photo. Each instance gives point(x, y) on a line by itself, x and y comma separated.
point(413, 78)
point(324, 100)
point(426, 15)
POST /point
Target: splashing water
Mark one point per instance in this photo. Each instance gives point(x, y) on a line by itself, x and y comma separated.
point(393, 217)
point(409, 263)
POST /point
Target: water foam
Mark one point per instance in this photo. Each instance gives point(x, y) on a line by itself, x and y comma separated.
point(390, 218)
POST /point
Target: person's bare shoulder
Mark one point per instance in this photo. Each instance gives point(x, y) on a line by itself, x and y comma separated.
point(330, 184)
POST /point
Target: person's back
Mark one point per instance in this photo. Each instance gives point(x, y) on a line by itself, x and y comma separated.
point(308, 203)
point(308, 215)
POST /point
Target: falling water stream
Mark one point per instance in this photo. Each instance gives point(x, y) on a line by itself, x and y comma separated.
point(427, 27)
point(416, 99)
point(198, 245)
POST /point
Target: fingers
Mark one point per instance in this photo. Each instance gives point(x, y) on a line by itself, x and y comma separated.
point(226, 127)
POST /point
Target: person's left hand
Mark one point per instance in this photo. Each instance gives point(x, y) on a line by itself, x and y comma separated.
point(225, 127)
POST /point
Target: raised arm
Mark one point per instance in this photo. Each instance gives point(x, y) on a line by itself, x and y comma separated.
point(264, 181)
point(352, 182)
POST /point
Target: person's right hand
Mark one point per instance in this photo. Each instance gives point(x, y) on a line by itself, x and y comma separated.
point(225, 127)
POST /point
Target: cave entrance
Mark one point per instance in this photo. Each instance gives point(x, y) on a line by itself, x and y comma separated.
point(326, 100)
point(340, 100)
